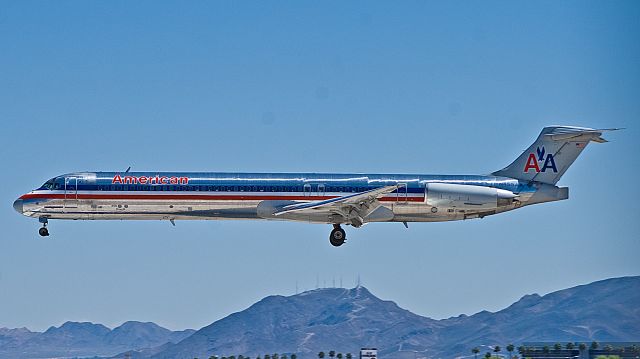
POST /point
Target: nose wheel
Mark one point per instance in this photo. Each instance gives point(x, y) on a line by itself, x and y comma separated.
point(337, 236)
point(43, 231)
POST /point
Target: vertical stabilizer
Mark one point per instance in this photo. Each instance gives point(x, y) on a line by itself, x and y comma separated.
point(549, 157)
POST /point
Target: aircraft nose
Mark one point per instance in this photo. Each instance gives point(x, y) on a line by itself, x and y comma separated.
point(17, 205)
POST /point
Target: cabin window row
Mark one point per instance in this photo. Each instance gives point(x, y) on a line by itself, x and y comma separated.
point(225, 188)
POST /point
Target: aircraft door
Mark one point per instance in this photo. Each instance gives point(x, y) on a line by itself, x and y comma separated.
point(401, 194)
point(70, 193)
point(314, 190)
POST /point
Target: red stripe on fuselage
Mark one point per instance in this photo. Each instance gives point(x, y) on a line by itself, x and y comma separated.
point(201, 197)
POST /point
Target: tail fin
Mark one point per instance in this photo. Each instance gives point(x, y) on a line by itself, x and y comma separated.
point(549, 157)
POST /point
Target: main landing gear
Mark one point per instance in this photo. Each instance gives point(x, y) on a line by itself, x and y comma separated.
point(337, 236)
point(43, 231)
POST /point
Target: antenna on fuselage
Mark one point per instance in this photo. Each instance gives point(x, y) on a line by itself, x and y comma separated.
point(128, 169)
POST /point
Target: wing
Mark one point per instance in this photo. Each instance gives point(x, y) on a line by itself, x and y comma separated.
point(353, 208)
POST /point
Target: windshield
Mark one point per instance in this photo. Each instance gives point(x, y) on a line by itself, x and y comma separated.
point(49, 184)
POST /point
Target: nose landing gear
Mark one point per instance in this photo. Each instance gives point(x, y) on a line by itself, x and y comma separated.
point(337, 236)
point(43, 231)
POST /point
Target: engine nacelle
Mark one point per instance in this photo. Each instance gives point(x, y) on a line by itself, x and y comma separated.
point(467, 197)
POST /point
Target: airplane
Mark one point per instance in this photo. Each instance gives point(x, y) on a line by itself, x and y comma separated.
point(331, 198)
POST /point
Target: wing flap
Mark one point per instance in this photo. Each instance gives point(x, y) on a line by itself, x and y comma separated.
point(338, 204)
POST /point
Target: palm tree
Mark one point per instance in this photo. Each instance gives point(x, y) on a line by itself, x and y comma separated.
point(475, 352)
point(332, 353)
point(488, 355)
point(545, 349)
point(320, 355)
point(496, 349)
point(594, 345)
point(283, 356)
point(267, 356)
point(608, 347)
point(522, 350)
point(510, 349)
point(570, 346)
point(293, 356)
point(349, 356)
point(339, 356)
point(274, 356)
point(557, 346)
point(582, 347)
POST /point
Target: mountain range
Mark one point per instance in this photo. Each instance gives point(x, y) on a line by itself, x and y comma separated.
point(74, 339)
point(346, 320)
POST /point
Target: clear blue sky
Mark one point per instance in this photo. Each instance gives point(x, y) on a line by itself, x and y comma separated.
point(410, 87)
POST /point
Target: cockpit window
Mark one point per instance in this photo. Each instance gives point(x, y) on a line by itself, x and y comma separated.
point(49, 184)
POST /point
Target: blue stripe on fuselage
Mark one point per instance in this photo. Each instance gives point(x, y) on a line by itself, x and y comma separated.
point(283, 182)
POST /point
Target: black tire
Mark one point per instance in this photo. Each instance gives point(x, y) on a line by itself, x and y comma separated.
point(337, 237)
point(43, 232)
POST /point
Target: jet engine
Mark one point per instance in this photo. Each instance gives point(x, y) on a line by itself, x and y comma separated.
point(467, 197)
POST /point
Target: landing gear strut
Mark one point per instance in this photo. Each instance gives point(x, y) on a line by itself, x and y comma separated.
point(43, 231)
point(337, 236)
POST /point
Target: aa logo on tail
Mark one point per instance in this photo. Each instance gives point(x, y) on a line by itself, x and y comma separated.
point(535, 159)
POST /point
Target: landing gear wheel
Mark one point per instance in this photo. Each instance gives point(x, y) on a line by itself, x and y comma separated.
point(337, 236)
point(43, 231)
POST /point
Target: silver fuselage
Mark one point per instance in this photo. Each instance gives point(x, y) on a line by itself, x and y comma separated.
point(182, 196)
